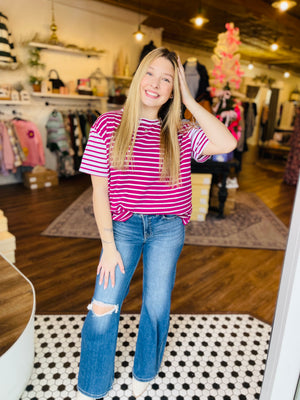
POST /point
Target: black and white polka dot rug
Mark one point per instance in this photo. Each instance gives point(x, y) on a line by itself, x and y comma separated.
point(207, 357)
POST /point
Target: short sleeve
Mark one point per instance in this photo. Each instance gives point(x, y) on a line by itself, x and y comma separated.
point(95, 157)
point(198, 142)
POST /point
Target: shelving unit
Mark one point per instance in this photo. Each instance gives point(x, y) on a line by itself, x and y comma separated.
point(67, 96)
point(70, 100)
point(120, 78)
point(14, 103)
point(64, 49)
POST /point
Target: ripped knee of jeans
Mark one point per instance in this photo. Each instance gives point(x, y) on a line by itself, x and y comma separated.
point(100, 309)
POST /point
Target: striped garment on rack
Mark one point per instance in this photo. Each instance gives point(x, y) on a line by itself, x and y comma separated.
point(7, 54)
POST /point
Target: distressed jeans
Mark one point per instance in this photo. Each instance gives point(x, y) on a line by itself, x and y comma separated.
point(160, 238)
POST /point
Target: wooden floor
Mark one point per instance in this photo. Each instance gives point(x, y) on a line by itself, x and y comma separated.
point(209, 279)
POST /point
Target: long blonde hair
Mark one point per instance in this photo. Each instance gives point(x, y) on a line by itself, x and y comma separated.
point(123, 141)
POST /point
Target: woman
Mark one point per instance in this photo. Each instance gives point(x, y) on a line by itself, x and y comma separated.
point(139, 161)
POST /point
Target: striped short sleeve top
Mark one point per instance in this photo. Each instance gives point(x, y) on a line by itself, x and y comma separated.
point(139, 188)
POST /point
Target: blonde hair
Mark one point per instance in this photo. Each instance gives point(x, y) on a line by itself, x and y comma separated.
point(123, 141)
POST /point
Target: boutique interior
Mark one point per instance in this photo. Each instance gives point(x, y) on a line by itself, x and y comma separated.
point(63, 63)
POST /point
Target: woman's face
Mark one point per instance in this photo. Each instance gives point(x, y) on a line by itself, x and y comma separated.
point(156, 86)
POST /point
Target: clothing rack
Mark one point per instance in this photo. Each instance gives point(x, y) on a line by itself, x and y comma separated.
point(69, 105)
point(12, 113)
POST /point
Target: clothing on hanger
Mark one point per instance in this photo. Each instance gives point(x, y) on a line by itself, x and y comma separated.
point(147, 49)
point(292, 168)
point(31, 142)
point(7, 51)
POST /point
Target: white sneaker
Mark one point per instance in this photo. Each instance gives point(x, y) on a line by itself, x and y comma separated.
point(81, 396)
point(138, 387)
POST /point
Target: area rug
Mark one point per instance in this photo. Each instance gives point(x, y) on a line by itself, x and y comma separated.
point(251, 225)
point(207, 357)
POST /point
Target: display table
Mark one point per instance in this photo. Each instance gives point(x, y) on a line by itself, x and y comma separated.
point(220, 172)
point(272, 148)
point(17, 299)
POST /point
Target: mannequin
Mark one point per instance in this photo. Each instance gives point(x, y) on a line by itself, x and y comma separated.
point(197, 79)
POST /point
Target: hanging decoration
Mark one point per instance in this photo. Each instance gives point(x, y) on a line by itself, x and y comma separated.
point(53, 43)
point(53, 37)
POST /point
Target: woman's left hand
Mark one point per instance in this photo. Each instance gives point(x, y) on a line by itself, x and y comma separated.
point(186, 95)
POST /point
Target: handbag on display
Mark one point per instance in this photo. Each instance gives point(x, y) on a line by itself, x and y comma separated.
point(57, 83)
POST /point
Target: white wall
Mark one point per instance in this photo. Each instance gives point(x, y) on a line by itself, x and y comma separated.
point(84, 23)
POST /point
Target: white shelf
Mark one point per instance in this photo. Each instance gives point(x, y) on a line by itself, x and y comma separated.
point(67, 96)
point(120, 78)
point(14, 102)
point(63, 49)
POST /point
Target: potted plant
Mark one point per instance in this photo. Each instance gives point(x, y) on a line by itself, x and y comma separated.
point(34, 62)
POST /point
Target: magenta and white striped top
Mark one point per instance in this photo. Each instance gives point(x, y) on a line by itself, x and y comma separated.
point(139, 188)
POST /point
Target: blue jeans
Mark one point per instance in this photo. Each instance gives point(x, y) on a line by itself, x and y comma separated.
point(160, 238)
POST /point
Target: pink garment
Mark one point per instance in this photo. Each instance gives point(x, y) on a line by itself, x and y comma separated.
point(139, 189)
point(31, 142)
point(8, 158)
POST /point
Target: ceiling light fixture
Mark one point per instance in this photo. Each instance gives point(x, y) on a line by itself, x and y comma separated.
point(199, 20)
point(286, 74)
point(284, 5)
point(274, 46)
point(250, 66)
point(139, 34)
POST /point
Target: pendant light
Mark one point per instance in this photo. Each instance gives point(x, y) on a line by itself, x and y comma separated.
point(274, 46)
point(139, 34)
point(284, 5)
point(199, 20)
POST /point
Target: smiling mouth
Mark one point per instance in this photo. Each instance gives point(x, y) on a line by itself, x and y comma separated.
point(151, 94)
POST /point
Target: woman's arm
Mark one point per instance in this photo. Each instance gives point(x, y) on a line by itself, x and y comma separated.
point(220, 138)
point(110, 256)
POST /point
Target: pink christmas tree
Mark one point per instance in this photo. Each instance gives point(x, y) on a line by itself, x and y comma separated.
point(227, 76)
point(226, 59)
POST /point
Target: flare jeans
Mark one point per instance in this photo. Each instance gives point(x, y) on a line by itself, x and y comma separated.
point(160, 238)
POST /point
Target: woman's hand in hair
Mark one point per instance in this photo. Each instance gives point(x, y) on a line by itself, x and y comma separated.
point(186, 96)
point(220, 139)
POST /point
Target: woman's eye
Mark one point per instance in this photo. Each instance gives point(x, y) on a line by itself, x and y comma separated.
point(149, 73)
